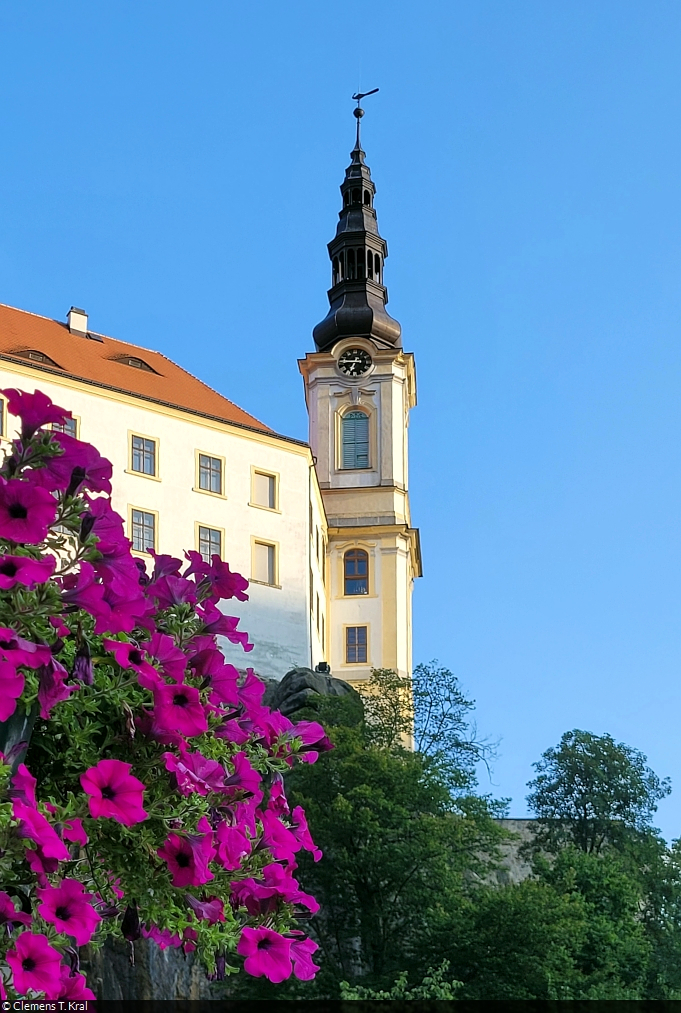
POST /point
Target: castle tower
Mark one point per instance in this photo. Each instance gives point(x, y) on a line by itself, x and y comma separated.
point(360, 386)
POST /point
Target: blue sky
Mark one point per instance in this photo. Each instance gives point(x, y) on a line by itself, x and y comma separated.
point(174, 169)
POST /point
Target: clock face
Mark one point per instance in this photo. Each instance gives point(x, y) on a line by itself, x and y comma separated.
point(354, 362)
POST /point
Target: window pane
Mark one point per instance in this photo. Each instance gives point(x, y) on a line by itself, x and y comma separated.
point(210, 473)
point(264, 490)
point(356, 644)
point(356, 565)
point(143, 455)
point(69, 426)
point(355, 440)
point(263, 563)
point(143, 531)
point(210, 543)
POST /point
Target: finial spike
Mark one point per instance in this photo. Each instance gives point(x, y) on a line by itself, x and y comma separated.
point(359, 112)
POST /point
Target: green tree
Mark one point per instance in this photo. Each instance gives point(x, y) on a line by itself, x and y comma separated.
point(400, 847)
point(593, 791)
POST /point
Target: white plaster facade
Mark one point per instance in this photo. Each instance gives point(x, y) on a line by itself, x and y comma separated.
point(285, 621)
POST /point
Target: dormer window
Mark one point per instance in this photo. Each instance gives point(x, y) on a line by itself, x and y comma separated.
point(35, 356)
point(135, 362)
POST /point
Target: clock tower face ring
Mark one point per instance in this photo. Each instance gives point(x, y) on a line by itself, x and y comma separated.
point(354, 362)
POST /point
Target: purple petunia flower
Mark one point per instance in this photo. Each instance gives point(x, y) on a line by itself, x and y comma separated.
point(267, 953)
point(69, 909)
point(131, 656)
point(35, 827)
point(74, 831)
point(178, 708)
point(195, 773)
point(35, 964)
point(172, 660)
point(301, 954)
point(211, 910)
point(18, 651)
point(34, 410)
point(72, 986)
point(223, 583)
point(26, 511)
point(187, 858)
point(9, 916)
point(52, 688)
point(163, 938)
point(23, 570)
point(82, 665)
point(23, 786)
point(114, 792)
point(301, 832)
point(11, 688)
point(245, 776)
point(217, 624)
point(79, 464)
point(233, 845)
point(172, 590)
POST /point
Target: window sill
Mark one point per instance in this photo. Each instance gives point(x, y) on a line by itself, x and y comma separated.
point(141, 474)
point(264, 583)
point(270, 510)
point(207, 492)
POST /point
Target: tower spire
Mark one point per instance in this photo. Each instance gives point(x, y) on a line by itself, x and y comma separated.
point(357, 297)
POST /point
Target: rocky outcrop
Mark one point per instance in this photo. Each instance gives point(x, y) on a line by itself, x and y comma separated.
point(299, 686)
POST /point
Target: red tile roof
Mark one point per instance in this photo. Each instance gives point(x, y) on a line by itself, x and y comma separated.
point(103, 362)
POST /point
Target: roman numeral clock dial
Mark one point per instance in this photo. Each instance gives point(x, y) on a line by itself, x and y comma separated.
point(354, 362)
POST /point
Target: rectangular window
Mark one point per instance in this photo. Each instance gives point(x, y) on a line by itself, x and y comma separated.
point(317, 542)
point(356, 645)
point(311, 590)
point(210, 474)
point(143, 458)
point(264, 490)
point(319, 613)
point(210, 543)
point(264, 563)
point(143, 531)
point(323, 635)
point(68, 426)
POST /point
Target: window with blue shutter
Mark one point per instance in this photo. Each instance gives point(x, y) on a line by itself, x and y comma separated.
point(355, 440)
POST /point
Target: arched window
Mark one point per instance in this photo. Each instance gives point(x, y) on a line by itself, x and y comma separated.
point(351, 263)
point(356, 196)
point(370, 264)
point(355, 440)
point(377, 267)
point(367, 197)
point(335, 270)
point(341, 262)
point(360, 263)
point(346, 198)
point(356, 572)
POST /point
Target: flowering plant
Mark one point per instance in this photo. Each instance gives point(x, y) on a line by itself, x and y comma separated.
point(150, 800)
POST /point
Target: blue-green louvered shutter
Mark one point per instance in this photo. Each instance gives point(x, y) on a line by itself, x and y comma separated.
point(355, 440)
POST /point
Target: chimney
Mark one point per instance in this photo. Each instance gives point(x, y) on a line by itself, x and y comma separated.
point(77, 321)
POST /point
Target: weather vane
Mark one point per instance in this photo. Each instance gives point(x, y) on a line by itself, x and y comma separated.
point(359, 112)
